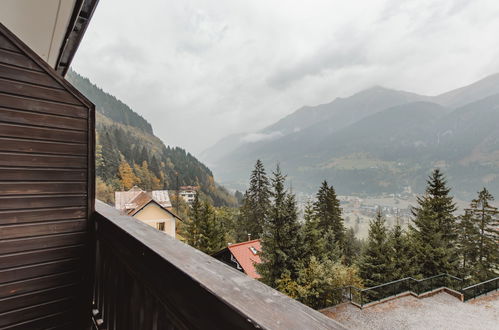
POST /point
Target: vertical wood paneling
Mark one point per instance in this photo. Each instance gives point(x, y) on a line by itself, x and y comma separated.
point(46, 194)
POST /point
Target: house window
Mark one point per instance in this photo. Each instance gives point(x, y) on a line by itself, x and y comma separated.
point(160, 226)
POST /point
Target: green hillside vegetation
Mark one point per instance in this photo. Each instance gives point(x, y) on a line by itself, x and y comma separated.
point(107, 104)
point(128, 154)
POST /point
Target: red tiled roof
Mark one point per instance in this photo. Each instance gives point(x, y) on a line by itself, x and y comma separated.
point(245, 257)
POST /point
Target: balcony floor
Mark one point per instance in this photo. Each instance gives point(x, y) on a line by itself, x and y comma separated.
point(441, 311)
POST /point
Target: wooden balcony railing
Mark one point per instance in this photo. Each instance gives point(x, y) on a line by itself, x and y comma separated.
point(144, 280)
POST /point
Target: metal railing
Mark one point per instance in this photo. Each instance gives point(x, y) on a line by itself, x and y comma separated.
point(473, 291)
point(409, 284)
point(363, 297)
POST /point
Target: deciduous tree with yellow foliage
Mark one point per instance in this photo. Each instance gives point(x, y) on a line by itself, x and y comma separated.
point(126, 175)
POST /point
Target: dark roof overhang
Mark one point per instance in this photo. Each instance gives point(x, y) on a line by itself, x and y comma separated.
point(82, 13)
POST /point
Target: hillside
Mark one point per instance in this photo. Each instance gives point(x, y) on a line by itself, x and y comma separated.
point(125, 136)
point(380, 141)
point(310, 124)
point(108, 105)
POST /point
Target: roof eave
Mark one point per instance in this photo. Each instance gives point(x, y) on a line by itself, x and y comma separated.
point(137, 210)
point(82, 13)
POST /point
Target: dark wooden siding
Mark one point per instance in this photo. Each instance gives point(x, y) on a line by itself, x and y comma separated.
point(46, 194)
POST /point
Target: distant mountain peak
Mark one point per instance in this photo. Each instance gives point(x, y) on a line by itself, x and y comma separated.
point(377, 88)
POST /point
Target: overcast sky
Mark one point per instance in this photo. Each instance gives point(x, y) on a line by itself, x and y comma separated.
point(200, 70)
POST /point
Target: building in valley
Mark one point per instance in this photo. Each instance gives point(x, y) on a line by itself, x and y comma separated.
point(242, 256)
point(188, 193)
point(152, 208)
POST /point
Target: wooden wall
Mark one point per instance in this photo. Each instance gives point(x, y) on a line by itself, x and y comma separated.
point(46, 193)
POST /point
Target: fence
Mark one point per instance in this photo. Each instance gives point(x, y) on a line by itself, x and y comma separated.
point(362, 297)
point(479, 289)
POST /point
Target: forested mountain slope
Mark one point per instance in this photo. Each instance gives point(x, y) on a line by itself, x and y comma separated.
point(307, 125)
point(381, 140)
point(127, 152)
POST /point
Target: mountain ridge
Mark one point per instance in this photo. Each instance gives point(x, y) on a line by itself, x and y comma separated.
point(467, 94)
point(419, 140)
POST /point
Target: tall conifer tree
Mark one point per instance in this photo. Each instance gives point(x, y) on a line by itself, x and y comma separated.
point(328, 212)
point(280, 239)
point(314, 244)
point(484, 219)
point(256, 204)
point(191, 230)
point(212, 236)
point(400, 253)
point(375, 266)
point(467, 244)
point(202, 229)
point(434, 232)
point(352, 248)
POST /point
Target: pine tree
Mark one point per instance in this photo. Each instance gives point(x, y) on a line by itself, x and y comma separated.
point(212, 236)
point(400, 253)
point(352, 248)
point(434, 232)
point(202, 229)
point(468, 235)
point(256, 204)
point(327, 210)
point(485, 220)
point(314, 244)
point(227, 217)
point(191, 230)
point(375, 266)
point(245, 224)
point(280, 239)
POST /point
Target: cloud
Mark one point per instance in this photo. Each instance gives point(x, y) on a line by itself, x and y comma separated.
point(330, 58)
point(257, 137)
point(230, 66)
